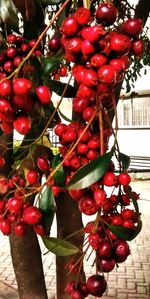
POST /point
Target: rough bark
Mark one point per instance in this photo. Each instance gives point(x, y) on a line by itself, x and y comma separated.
point(68, 221)
point(26, 257)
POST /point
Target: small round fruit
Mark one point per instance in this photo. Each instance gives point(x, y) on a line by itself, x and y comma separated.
point(5, 88)
point(19, 230)
point(5, 227)
point(137, 47)
point(87, 205)
point(69, 26)
point(124, 179)
point(44, 94)
point(120, 43)
point(107, 265)
point(109, 179)
point(43, 163)
point(94, 240)
point(22, 86)
point(121, 249)
point(32, 176)
point(107, 74)
point(22, 124)
point(76, 194)
point(96, 285)
point(32, 215)
point(106, 13)
point(14, 205)
point(99, 197)
point(82, 15)
point(38, 228)
point(132, 27)
point(105, 249)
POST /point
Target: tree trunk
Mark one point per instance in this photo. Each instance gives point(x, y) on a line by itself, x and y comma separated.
point(68, 221)
point(27, 262)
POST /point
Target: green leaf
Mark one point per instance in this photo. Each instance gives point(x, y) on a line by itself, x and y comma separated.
point(49, 63)
point(59, 87)
point(59, 247)
point(127, 234)
point(125, 161)
point(47, 206)
point(90, 173)
point(134, 201)
point(8, 14)
point(59, 176)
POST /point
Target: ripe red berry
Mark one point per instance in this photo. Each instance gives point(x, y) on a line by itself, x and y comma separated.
point(98, 60)
point(96, 285)
point(120, 43)
point(87, 205)
point(70, 27)
point(124, 179)
point(31, 215)
point(73, 45)
point(38, 228)
point(122, 250)
point(87, 48)
point(76, 194)
point(69, 135)
point(87, 114)
point(44, 94)
point(107, 74)
point(94, 240)
point(60, 129)
point(11, 52)
point(105, 249)
point(22, 86)
point(5, 227)
point(19, 230)
point(54, 44)
point(107, 265)
point(99, 197)
point(79, 104)
point(22, 124)
point(132, 27)
point(106, 13)
point(137, 47)
point(5, 88)
point(11, 38)
point(82, 15)
point(43, 163)
point(5, 106)
point(76, 294)
point(117, 64)
point(109, 179)
point(14, 205)
point(32, 176)
point(82, 148)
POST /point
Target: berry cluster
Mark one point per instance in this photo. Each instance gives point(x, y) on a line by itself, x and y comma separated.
point(19, 96)
point(100, 58)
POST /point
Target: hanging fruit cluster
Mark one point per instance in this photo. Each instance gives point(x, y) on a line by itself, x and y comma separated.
point(101, 56)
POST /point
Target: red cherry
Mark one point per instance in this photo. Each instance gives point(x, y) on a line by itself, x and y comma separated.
point(7, 127)
point(90, 78)
point(38, 228)
point(11, 38)
point(43, 163)
point(31, 215)
point(22, 124)
point(54, 44)
point(5, 227)
point(137, 47)
point(32, 177)
point(85, 91)
point(128, 223)
point(22, 86)
point(69, 135)
point(20, 101)
point(69, 26)
point(82, 148)
point(70, 287)
point(11, 52)
point(76, 294)
point(63, 71)
point(98, 60)
point(73, 45)
point(122, 250)
point(109, 179)
point(76, 194)
point(105, 249)
point(93, 33)
point(99, 197)
point(87, 48)
point(19, 230)
point(94, 240)
point(17, 60)
point(87, 205)
point(117, 219)
point(107, 265)
point(107, 74)
point(75, 163)
point(5, 106)
point(82, 15)
point(79, 104)
point(120, 43)
point(96, 285)
point(124, 179)
point(91, 154)
point(117, 64)
point(132, 27)
point(127, 214)
point(87, 114)
point(60, 129)
point(44, 94)
point(106, 13)
point(5, 88)
point(14, 205)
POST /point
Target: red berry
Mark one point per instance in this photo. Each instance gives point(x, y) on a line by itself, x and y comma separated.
point(122, 250)
point(73, 45)
point(132, 27)
point(5, 88)
point(87, 48)
point(96, 285)
point(117, 219)
point(11, 52)
point(124, 179)
point(106, 13)
point(85, 91)
point(82, 15)
point(76, 194)
point(32, 177)
point(69, 135)
point(99, 197)
point(32, 215)
point(44, 94)
point(117, 64)
point(14, 205)
point(22, 124)
point(76, 294)
point(5, 227)
point(105, 249)
point(87, 114)
point(60, 129)
point(82, 148)
point(94, 240)
point(109, 179)
point(87, 205)
point(79, 104)
point(4, 106)
point(54, 44)
point(69, 26)
point(137, 47)
point(70, 287)
point(11, 38)
point(19, 230)
point(90, 78)
point(43, 163)
point(22, 86)
point(98, 60)
point(120, 43)
point(38, 228)
point(107, 265)
point(107, 74)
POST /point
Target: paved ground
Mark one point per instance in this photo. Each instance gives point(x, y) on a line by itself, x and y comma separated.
point(130, 281)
